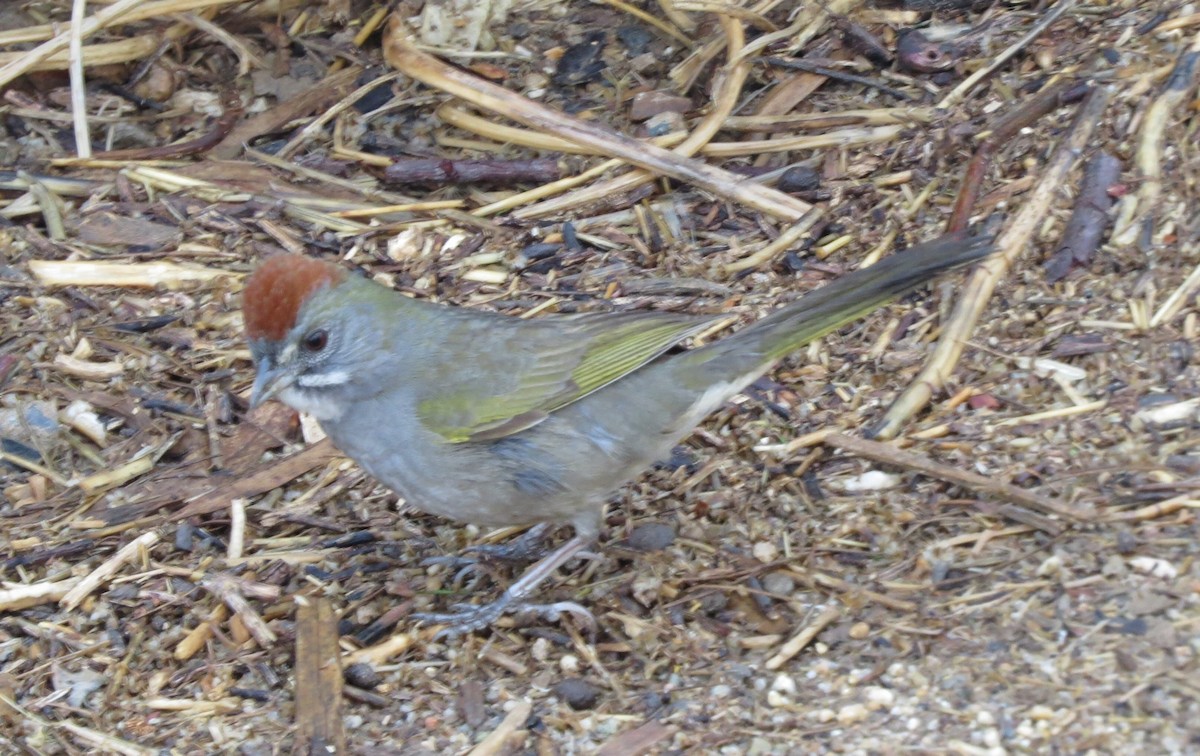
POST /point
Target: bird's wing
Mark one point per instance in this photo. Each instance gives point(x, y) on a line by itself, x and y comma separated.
point(543, 365)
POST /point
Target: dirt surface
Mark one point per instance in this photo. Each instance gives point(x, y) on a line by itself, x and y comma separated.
point(752, 595)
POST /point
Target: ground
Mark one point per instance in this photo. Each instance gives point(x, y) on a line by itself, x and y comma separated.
point(1010, 568)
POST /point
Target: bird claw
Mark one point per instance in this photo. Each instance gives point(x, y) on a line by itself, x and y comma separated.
point(467, 618)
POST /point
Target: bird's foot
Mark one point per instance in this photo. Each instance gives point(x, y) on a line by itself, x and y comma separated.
point(467, 618)
point(527, 547)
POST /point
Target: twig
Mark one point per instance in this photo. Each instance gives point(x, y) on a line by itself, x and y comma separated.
point(1149, 156)
point(890, 455)
point(108, 568)
point(1002, 133)
point(497, 741)
point(797, 642)
point(1157, 509)
point(956, 95)
point(983, 279)
point(439, 171)
point(318, 688)
point(429, 70)
point(220, 129)
point(1084, 230)
point(83, 140)
point(85, 28)
point(832, 73)
point(21, 597)
point(229, 591)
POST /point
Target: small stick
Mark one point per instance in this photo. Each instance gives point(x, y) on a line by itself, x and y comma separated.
point(108, 568)
point(24, 596)
point(83, 139)
point(1149, 156)
point(959, 93)
point(220, 129)
point(497, 742)
point(318, 689)
point(227, 589)
point(1083, 232)
point(401, 54)
point(983, 279)
point(888, 454)
point(832, 73)
point(439, 171)
point(1157, 509)
point(801, 639)
point(1002, 132)
point(85, 28)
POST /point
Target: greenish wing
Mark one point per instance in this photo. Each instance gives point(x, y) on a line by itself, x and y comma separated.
point(585, 354)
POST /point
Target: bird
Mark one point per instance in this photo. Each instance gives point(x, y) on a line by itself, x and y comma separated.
point(491, 419)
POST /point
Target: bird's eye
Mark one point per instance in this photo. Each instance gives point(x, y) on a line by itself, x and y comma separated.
point(315, 341)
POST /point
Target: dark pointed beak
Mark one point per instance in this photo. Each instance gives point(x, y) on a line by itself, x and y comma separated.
point(268, 382)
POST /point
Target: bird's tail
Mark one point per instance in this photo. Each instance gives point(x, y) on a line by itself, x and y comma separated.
point(853, 295)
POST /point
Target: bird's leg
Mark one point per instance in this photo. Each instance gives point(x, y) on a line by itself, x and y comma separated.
point(526, 547)
point(467, 618)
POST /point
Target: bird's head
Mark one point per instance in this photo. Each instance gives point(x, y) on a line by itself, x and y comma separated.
point(311, 336)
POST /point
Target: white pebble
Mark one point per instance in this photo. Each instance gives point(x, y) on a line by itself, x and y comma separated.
point(720, 691)
point(540, 649)
point(765, 551)
point(775, 699)
point(851, 713)
point(879, 698)
point(569, 663)
point(784, 684)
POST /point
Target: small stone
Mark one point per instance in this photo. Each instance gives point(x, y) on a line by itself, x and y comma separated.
point(823, 716)
point(651, 536)
point(720, 691)
point(760, 746)
point(784, 684)
point(577, 693)
point(779, 583)
point(540, 649)
point(799, 179)
point(775, 699)
point(1040, 712)
point(569, 664)
point(851, 714)
point(860, 631)
point(991, 737)
point(663, 124)
point(879, 697)
point(648, 104)
point(635, 37)
point(362, 675)
point(985, 718)
point(765, 551)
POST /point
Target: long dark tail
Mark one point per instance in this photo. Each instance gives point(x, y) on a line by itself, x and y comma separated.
point(855, 294)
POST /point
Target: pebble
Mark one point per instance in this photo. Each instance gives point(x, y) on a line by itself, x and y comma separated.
point(765, 551)
point(879, 698)
point(569, 663)
point(860, 631)
point(779, 583)
point(784, 684)
point(362, 675)
point(651, 536)
point(775, 699)
point(577, 693)
point(852, 713)
point(647, 104)
point(720, 691)
point(664, 123)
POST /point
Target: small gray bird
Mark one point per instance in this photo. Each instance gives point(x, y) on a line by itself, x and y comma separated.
point(499, 421)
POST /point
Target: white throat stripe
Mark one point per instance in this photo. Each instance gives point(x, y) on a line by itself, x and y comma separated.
point(316, 380)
